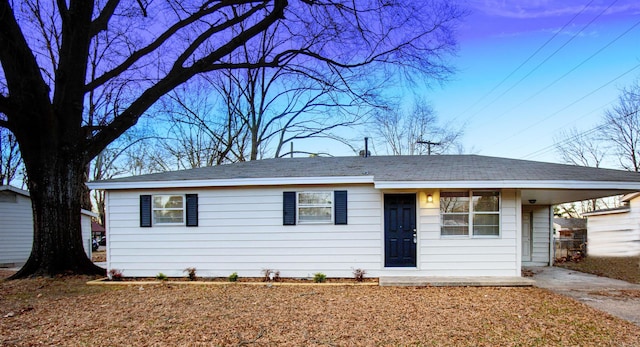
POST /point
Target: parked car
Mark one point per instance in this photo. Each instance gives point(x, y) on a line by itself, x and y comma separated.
point(103, 241)
point(95, 244)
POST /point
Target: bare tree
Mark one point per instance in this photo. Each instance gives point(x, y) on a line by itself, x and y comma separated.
point(147, 49)
point(299, 100)
point(401, 133)
point(10, 160)
point(622, 127)
point(580, 148)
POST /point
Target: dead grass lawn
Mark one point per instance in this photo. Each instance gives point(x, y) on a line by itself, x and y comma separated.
point(66, 312)
point(99, 256)
point(622, 268)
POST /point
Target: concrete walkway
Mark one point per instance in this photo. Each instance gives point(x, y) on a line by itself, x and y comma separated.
point(602, 293)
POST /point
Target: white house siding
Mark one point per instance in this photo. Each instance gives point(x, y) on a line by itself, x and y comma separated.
point(541, 224)
point(240, 230)
point(454, 256)
point(85, 223)
point(615, 234)
point(16, 232)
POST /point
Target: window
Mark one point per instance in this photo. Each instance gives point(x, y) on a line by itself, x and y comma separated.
point(476, 212)
point(319, 207)
point(454, 208)
point(168, 209)
point(315, 207)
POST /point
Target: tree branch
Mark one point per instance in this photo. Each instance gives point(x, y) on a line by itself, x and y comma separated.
point(212, 30)
point(20, 67)
point(102, 21)
point(62, 8)
point(139, 54)
point(175, 77)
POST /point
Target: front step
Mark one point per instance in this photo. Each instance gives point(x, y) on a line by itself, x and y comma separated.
point(411, 281)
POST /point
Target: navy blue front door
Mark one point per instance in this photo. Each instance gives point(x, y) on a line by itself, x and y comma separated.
point(400, 230)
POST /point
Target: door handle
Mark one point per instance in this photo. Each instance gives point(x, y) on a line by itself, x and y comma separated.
point(415, 238)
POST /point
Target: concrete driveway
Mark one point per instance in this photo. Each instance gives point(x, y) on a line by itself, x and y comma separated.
point(602, 293)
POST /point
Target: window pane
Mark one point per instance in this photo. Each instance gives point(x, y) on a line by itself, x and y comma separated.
point(455, 224)
point(167, 201)
point(315, 214)
point(455, 219)
point(486, 201)
point(315, 198)
point(454, 231)
point(486, 230)
point(167, 216)
point(454, 202)
point(486, 224)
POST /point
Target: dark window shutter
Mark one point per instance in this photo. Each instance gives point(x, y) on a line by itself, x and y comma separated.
point(340, 206)
point(289, 208)
point(192, 210)
point(145, 211)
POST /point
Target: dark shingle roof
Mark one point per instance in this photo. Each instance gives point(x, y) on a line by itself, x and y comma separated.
point(396, 168)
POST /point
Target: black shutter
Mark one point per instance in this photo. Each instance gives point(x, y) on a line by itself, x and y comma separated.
point(145, 211)
point(289, 208)
point(340, 206)
point(192, 210)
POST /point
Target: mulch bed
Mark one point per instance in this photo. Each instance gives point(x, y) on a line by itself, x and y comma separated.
point(67, 312)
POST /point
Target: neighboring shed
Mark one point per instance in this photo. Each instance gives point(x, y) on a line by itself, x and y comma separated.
point(16, 232)
point(97, 230)
point(445, 215)
point(615, 232)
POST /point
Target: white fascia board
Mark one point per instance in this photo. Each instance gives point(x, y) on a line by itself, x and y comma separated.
point(565, 185)
point(15, 190)
point(89, 213)
point(237, 182)
point(607, 212)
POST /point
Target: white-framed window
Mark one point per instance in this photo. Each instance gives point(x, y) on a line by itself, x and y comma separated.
point(315, 207)
point(168, 209)
point(470, 213)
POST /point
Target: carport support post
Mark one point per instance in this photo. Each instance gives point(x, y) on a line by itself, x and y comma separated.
point(552, 243)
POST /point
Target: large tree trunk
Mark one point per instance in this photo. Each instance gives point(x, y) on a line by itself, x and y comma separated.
point(56, 182)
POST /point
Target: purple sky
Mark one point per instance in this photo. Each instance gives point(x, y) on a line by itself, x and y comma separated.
point(569, 82)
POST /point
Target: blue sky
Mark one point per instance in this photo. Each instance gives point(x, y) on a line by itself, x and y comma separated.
point(516, 113)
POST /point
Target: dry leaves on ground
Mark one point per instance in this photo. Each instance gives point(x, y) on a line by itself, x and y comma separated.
point(68, 312)
point(99, 256)
point(622, 268)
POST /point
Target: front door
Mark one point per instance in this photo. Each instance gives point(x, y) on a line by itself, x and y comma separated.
point(526, 235)
point(400, 233)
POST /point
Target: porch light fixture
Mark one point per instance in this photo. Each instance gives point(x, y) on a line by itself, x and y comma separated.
point(429, 198)
point(532, 201)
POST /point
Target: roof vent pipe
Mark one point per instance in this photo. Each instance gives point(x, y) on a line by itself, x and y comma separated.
point(366, 147)
point(365, 153)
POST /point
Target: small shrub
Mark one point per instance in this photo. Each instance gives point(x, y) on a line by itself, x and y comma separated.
point(270, 275)
point(115, 275)
point(162, 277)
point(233, 277)
point(266, 275)
point(191, 272)
point(358, 275)
point(319, 277)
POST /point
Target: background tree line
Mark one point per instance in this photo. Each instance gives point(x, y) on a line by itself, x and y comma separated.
point(614, 142)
